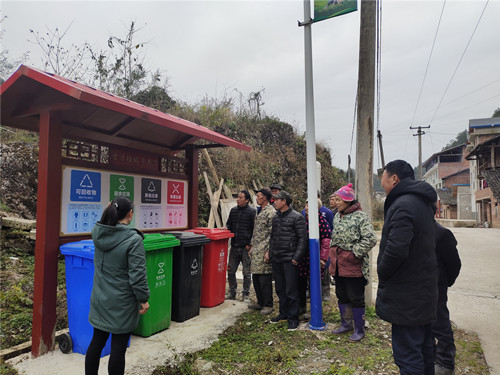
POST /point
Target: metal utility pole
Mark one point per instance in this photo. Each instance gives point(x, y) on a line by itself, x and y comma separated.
point(348, 168)
point(419, 134)
point(316, 321)
point(366, 109)
point(379, 136)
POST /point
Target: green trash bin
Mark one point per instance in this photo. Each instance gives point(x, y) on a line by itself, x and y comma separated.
point(159, 269)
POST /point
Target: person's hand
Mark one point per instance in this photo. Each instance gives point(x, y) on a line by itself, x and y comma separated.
point(144, 308)
point(294, 262)
point(266, 256)
point(322, 262)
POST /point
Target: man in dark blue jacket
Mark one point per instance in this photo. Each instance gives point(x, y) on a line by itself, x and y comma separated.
point(448, 267)
point(287, 247)
point(406, 267)
point(241, 221)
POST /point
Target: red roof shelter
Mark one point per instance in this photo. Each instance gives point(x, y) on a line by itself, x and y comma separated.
point(84, 127)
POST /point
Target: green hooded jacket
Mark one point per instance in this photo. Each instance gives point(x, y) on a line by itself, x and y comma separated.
point(120, 279)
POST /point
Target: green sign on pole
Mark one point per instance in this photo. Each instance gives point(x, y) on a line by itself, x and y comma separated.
point(324, 9)
point(120, 185)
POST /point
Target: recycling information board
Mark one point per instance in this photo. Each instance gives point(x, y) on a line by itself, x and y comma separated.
point(159, 203)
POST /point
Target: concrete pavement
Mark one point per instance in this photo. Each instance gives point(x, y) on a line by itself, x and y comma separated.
point(474, 300)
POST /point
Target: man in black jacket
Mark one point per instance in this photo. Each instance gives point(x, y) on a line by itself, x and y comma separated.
point(240, 222)
point(287, 247)
point(407, 269)
point(448, 267)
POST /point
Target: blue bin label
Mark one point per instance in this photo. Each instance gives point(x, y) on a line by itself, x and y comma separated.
point(82, 217)
point(85, 186)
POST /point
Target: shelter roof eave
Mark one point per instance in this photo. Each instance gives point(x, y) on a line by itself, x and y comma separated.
point(98, 114)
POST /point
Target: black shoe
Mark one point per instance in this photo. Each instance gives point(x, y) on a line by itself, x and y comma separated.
point(292, 326)
point(277, 319)
point(230, 296)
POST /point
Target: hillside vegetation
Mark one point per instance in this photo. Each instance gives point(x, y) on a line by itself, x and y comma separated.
point(278, 155)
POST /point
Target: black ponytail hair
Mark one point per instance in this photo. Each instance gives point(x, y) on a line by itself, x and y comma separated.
point(116, 211)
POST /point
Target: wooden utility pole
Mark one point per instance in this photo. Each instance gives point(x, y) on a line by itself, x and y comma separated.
point(366, 105)
point(419, 134)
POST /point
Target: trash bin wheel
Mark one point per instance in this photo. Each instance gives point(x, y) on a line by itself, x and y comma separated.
point(65, 343)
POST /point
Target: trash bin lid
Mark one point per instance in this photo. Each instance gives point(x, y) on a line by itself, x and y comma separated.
point(83, 249)
point(190, 238)
point(157, 241)
point(214, 233)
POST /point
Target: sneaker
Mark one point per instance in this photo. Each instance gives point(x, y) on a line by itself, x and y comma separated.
point(230, 296)
point(255, 306)
point(292, 326)
point(266, 310)
point(307, 316)
point(277, 319)
point(246, 299)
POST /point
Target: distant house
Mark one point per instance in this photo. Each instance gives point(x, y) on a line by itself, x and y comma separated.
point(448, 172)
point(484, 155)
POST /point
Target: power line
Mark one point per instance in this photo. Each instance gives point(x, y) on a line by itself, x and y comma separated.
point(428, 62)
point(452, 101)
point(463, 54)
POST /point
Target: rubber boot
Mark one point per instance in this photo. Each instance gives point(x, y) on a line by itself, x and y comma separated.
point(359, 324)
point(346, 318)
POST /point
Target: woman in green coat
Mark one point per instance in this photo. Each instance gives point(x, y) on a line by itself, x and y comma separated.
point(120, 291)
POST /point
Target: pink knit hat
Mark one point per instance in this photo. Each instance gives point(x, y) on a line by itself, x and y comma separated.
point(346, 193)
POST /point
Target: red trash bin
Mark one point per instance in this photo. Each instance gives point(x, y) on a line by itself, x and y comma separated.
point(213, 278)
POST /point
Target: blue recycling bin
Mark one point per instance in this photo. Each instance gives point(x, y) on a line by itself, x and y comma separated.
point(79, 261)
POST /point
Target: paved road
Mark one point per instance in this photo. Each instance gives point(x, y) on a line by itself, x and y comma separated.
point(474, 300)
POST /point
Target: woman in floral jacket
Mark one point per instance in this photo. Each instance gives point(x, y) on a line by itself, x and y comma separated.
point(352, 239)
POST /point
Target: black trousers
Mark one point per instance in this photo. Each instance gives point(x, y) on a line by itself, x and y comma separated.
point(413, 349)
point(444, 349)
point(350, 291)
point(237, 255)
point(263, 285)
point(116, 364)
point(325, 283)
point(286, 281)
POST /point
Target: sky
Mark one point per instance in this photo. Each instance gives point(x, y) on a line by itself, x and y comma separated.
point(217, 48)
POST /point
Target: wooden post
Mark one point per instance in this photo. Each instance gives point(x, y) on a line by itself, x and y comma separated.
point(366, 105)
point(215, 204)
point(47, 234)
point(192, 156)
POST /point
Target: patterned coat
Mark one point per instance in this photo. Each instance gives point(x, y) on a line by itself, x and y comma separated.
point(352, 239)
point(260, 240)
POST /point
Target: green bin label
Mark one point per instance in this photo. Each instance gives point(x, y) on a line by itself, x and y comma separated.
point(160, 276)
point(120, 185)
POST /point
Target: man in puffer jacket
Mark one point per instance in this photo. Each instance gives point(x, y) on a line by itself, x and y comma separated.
point(407, 269)
point(241, 222)
point(287, 247)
